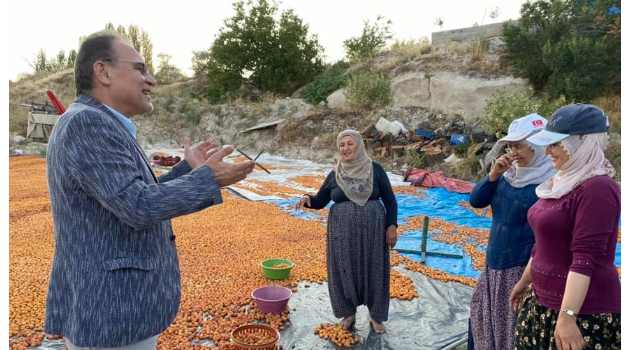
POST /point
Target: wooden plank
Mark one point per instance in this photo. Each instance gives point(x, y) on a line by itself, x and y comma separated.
point(413, 146)
point(264, 125)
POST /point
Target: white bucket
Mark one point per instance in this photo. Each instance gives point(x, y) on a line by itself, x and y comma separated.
point(387, 126)
point(18, 152)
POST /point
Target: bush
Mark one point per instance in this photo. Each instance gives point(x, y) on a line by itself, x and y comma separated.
point(580, 68)
point(369, 90)
point(504, 107)
point(410, 49)
point(568, 47)
point(372, 40)
point(325, 84)
point(415, 159)
point(479, 47)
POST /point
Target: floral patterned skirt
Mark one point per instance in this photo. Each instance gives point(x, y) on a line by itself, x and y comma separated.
point(536, 324)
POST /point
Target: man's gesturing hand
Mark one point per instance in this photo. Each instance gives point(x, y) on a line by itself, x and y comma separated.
point(198, 154)
point(228, 173)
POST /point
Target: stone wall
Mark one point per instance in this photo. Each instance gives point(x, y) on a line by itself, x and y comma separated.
point(489, 30)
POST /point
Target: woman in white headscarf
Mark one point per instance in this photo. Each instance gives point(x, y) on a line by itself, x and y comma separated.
point(509, 189)
point(575, 297)
point(360, 231)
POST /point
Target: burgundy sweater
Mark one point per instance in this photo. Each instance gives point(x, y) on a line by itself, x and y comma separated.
point(578, 232)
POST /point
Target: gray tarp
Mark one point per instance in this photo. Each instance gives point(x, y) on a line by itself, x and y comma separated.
point(436, 319)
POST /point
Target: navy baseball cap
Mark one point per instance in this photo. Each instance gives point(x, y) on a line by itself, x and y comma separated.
point(574, 119)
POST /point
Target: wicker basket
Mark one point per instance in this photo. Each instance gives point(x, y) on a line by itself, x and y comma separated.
point(240, 335)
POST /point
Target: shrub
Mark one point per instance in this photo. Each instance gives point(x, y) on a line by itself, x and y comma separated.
point(569, 47)
point(325, 84)
point(580, 68)
point(479, 47)
point(410, 49)
point(504, 107)
point(369, 90)
point(415, 159)
point(372, 40)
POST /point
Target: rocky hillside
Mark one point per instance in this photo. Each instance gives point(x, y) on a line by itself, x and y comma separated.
point(432, 88)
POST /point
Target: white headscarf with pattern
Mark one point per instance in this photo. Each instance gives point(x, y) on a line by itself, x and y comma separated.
point(537, 171)
point(355, 178)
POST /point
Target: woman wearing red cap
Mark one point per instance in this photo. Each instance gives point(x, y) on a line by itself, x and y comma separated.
point(509, 189)
point(575, 297)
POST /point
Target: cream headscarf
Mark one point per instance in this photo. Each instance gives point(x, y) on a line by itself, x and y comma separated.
point(586, 160)
point(537, 171)
point(355, 178)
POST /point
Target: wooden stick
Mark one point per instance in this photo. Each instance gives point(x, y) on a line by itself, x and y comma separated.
point(261, 167)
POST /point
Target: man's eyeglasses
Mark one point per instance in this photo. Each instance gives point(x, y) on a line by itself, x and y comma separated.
point(138, 65)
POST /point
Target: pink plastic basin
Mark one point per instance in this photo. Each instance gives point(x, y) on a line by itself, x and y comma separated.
point(271, 299)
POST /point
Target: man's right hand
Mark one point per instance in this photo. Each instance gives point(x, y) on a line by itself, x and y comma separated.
point(228, 173)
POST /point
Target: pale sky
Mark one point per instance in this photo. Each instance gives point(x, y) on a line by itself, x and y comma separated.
point(187, 25)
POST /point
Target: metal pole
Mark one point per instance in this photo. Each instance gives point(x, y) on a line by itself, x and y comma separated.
point(423, 244)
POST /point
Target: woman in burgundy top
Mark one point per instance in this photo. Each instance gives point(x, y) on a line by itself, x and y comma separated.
point(574, 301)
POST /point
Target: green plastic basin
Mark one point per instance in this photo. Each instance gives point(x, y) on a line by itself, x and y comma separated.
point(276, 274)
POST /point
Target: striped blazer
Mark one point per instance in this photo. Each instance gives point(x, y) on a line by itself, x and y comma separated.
point(115, 278)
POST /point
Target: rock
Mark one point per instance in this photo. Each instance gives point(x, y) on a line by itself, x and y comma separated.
point(337, 99)
point(18, 138)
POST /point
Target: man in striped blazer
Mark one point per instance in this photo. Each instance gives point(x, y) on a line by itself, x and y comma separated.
point(115, 279)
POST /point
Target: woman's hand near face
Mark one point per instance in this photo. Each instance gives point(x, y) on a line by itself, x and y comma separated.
point(502, 164)
point(305, 201)
point(392, 236)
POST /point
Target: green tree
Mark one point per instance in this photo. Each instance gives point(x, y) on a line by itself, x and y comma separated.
point(147, 51)
point(167, 72)
point(71, 59)
point(41, 63)
point(122, 30)
point(134, 35)
point(199, 63)
point(60, 62)
point(252, 47)
point(44, 64)
point(140, 40)
point(550, 45)
point(373, 38)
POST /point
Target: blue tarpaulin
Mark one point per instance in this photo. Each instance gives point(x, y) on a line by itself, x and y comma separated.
point(438, 204)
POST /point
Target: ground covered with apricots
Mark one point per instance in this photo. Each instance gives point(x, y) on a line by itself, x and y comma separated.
point(220, 250)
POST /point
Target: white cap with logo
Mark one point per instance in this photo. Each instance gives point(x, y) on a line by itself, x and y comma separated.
point(524, 127)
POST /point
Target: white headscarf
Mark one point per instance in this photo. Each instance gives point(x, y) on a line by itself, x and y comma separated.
point(586, 160)
point(355, 178)
point(537, 171)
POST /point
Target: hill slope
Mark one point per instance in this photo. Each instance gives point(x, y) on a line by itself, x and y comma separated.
point(429, 88)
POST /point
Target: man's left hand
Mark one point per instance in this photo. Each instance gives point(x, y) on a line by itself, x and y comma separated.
point(198, 154)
